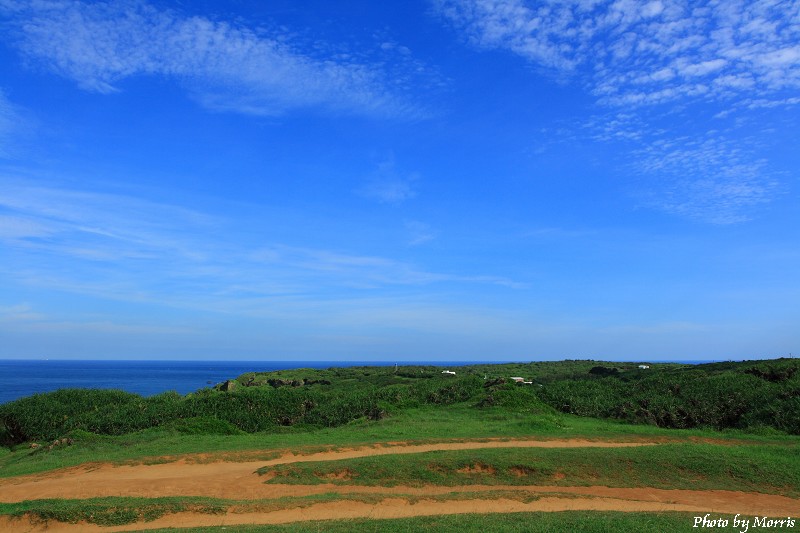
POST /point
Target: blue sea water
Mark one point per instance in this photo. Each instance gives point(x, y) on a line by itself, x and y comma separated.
point(20, 378)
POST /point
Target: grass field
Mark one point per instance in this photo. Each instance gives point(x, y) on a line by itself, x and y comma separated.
point(430, 459)
point(753, 467)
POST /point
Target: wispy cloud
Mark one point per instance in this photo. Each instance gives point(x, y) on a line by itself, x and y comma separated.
point(419, 232)
point(707, 174)
point(389, 185)
point(647, 64)
point(638, 53)
point(225, 66)
point(363, 270)
point(710, 179)
point(93, 223)
point(9, 120)
point(560, 233)
point(19, 313)
point(127, 248)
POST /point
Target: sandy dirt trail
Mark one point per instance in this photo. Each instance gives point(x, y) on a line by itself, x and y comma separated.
point(235, 480)
point(398, 508)
point(239, 480)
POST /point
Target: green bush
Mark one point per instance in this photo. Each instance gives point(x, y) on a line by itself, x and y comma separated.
point(203, 425)
point(724, 395)
point(719, 396)
point(53, 415)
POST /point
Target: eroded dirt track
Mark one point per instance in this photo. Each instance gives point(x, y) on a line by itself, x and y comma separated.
point(698, 502)
point(239, 481)
point(233, 480)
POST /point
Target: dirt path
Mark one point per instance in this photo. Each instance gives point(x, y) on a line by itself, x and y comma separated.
point(225, 479)
point(238, 480)
point(699, 502)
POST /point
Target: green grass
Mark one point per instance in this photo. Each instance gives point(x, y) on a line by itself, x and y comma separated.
point(577, 521)
point(126, 510)
point(688, 466)
point(747, 395)
point(109, 511)
point(418, 400)
point(121, 511)
point(427, 423)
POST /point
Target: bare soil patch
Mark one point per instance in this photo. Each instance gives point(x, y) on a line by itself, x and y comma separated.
point(477, 468)
point(344, 475)
point(188, 477)
point(694, 501)
point(522, 471)
point(239, 480)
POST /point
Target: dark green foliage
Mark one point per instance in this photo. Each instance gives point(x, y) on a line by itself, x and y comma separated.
point(775, 374)
point(28, 418)
point(44, 417)
point(204, 426)
point(758, 396)
point(518, 397)
point(603, 371)
point(719, 396)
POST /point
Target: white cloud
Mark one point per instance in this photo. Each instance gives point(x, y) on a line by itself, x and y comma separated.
point(9, 117)
point(756, 104)
point(560, 233)
point(109, 224)
point(419, 232)
point(389, 190)
point(702, 173)
point(634, 53)
point(14, 228)
point(19, 313)
point(225, 66)
point(389, 185)
point(363, 271)
point(130, 249)
point(709, 179)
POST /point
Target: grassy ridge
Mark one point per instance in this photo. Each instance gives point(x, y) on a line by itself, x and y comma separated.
point(757, 396)
point(771, 469)
point(110, 511)
point(422, 424)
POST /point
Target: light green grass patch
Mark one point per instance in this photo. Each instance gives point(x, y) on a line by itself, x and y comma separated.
point(109, 511)
point(688, 466)
point(425, 424)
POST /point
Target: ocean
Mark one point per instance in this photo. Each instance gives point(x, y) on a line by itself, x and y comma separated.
point(20, 378)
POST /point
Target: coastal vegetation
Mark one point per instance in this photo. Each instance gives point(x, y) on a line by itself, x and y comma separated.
point(407, 436)
point(749, 396)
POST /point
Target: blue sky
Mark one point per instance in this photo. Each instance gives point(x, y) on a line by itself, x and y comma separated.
point(432, 179)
